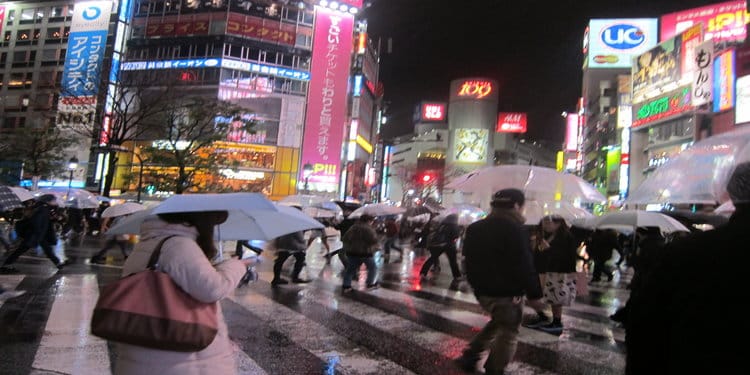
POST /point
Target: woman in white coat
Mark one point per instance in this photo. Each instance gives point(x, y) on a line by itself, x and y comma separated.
point(187, 259)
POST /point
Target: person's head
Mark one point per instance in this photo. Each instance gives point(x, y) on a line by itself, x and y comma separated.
point(367, 219)
point(204, 222)
point(451, 219)
point(738, 187)
point(648, 233)
point(48, 199)
point(553, 224)
point(508, 199)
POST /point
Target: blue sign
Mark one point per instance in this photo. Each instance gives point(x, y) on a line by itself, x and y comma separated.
point(266, 69)
point(83, 63)
point(171, 64)
point(213, 63)
point(357, 85)
point(623, 36)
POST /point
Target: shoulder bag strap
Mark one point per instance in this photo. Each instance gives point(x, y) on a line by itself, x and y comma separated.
point(157, 252)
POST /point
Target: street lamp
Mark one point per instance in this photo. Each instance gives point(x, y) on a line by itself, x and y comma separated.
point(307, 170)
point(72, 165)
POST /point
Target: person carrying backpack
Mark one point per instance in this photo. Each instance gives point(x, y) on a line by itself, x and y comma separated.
point(443, 240)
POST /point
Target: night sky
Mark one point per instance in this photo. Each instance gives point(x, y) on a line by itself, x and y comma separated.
point(533, 50)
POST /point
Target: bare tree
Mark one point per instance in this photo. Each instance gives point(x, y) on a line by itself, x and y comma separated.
point(189, 125)
point(39, 149)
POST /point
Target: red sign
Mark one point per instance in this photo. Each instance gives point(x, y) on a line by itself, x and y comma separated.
point(254, 27)
point(625, 159)
point(353, 3)
point(177, 28)
point(2, 17)
point(723, 22)
point(508, 122)
point(475, 89)
point(326, 109)
point(433, 112)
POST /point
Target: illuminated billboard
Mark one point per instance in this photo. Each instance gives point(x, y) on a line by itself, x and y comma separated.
point(470, 145)
point(742, 108)
point(724, 81)
point(81, 77)
point(665, 65)
point(432, 112)
point(703, 77)
point(571, 132)
point(326, 109)
point(508, 122)
point(724, 22)
point(612, 43)
point(475, 89)
point(662, 107)
point(2, 17)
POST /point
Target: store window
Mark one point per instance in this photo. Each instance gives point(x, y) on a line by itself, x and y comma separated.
point(27, 16)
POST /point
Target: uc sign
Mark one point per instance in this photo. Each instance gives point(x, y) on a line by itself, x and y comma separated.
point(623, 36)
point(475, 89)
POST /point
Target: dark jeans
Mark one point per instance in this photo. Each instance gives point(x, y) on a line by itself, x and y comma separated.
point(390, 243)
point(600, 267)
point(353, 266)
point(342, 256)
point(49, 251)
point(123, 245)
point(435, 253)
point(282, 256)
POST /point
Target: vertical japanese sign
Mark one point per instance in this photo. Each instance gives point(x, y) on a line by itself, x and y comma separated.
point(724, 81)
point(326, 109)
point(83, 63)
point(2, 17)
point(703, 77)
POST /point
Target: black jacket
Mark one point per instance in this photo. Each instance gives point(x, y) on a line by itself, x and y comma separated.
point(601, 244)
point(562, 254)
point(360, 240)
point(498, 258)
point(678, 321)
point(38, 229)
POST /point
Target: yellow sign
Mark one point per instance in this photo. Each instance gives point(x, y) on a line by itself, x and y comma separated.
point(560, 161)
point(362, 142)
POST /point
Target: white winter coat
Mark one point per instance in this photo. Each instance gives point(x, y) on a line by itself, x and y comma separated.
point(184, 261)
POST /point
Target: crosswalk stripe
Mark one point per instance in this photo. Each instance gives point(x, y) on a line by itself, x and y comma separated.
point(67, 347)
point(10, 282)
point(315, 338)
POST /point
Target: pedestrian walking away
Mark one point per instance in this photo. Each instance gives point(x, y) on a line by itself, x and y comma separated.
point(500, 269)
point(677, 318)
point(290, 245)
point(36, 230)
point(442, 241)
point(391, 240)
point(360, 242)
point(122, 241)
point(599, 247)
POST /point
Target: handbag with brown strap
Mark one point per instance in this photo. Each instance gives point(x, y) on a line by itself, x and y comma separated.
point(148, 309)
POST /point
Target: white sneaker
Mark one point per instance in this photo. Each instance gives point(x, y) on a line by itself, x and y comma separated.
point(11, 294)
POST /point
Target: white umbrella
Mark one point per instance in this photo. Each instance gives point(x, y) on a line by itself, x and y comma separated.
point(377, 209)
point(467, 214)
point(638, 218)
point(313, 201)
point(251, 216)
point(726, 209)
point(74, 198)
point(534, 211)
point(318, 212)
point(126, 208)
point(537, 182)
point(699, 174)
point(22, 193)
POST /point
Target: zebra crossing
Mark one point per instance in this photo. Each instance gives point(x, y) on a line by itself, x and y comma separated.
point(407, 326)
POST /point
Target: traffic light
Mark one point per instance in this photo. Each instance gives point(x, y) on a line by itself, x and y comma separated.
point(426, 178)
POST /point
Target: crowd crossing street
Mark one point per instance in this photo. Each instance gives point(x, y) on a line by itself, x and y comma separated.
point(406, 326)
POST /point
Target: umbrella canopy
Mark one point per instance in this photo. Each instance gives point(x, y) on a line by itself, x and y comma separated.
point(126, 208)
point(537, 182)
point(22, 193)
point(418, 211)
point(534, 211)
point(302, 200)
point(73, 198)
point(251, 216)
point(377, 209)
point(313, 205)
point(638, 218)
point(9, 201)
point(318, 212)
point(690, 219)
point(726, 209)
point(698, 174)
point(467, 214)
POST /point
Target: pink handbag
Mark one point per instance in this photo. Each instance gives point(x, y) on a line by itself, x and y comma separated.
point(148, 309)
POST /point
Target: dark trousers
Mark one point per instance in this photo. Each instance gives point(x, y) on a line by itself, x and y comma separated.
point(600, 267)
point(435, 253)
point(49, 251)
point(282, 256)
point(123, 245)
point(390, 243)
point(342, 256)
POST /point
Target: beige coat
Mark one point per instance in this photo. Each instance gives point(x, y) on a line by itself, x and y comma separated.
point(184, 261)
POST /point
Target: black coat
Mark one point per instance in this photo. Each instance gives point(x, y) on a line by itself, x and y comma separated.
point(688, 312)
point(498, 259)
point(561, 256)
point(360, 240)
point(38, 229)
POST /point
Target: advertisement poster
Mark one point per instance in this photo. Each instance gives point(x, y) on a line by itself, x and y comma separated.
point(2, 17)
point(703, 78)
point(470, 145)
point(724, 22)
point(81, 75)
point(624, 104)
point(433, 112)
point(612, 43)
point(327, 109)
point(724, 81)
point(662, 107)
point(742, 112)
point(571, 132)
point(508, 122)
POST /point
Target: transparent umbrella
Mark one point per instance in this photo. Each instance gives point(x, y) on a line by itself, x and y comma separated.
point(74, 198)
point(534, 211)
point(636, 219)
point(467, 214)
point(698, 174)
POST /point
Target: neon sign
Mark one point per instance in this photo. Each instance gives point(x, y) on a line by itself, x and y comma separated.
point(475, 89)
point(511, 122)
point(674, 103)
point(433, 112)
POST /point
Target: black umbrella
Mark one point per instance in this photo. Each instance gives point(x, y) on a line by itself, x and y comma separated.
point(8, 200)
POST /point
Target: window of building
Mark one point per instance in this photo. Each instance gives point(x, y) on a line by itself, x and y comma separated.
point(46, 78)
point(23, 34)
point(32, 56)
point(27, 16)
point(290, 14)
point(10, 16)
point(200, 50)
point(2, 77)
point(39, 14)
point(304, 41)
point(7, 37)
point(306, 17)
point(37, 34)
point(3, 57)
point(19, 56)
point(57, 12)
point(49, 54)
point(66, 32)
point(54, 33)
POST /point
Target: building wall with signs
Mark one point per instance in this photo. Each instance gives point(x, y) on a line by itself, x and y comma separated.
point(472, 117)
